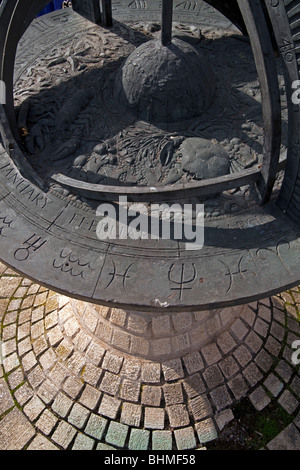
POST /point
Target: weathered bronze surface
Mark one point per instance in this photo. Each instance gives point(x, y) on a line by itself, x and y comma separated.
point(73, 137)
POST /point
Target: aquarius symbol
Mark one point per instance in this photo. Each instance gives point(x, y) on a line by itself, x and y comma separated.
point(182, 282)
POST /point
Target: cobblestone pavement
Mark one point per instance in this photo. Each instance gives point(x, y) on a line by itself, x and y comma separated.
point(62, 388)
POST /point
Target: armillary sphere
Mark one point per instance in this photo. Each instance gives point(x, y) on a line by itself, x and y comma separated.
point(111, 103)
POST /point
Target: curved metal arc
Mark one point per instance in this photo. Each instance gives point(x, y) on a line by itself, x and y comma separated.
point(15, 19)
point(256, 24)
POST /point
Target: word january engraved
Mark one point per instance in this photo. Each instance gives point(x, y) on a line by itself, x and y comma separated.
point(115, 275)
point(70, 263)
point(31, 245)
point(24, 187)
point(182, 277)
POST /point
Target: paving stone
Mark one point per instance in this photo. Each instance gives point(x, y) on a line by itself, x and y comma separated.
point(239, 330)
point(76, 362)
point(172, 370)
point(252, 374)
point(48, 359)
point(90, 397)
point(81, 341)
point(228, 366)
point(223, 418)
point(58, 374)
point(273, 384)
point(37, 329)
point(161, 347)
point(121, 340)
point(238, 387)
point(193, 362)
point(206, 431)
point(63, 434)
point(200, 407)
point(131, 369)
point(62, 405)
point(41, 443)
point(151, 395)
point(154, 418)
point(182, 321)
point(96, 426)
point(11, 362)
point(173, 394)
point(23, 331)
point(95, 352)
point(130, 390)
point(73, 387)
point(51, 320)
point(211, 354)
point(139, 346)
point(118, 317)
point(91, 374)
point(33, 408)
point(90, 321)
point(9, 332)
point(185, 438)
point(178, 416)
point(259, 399)
point(181, 343)
point(15, 378)
point(254, 342)
point(273, 346)
point(261, 327)
point(194, 385)
point(47, 391)
point(36, 376)
point(131, 414)
point(116, 434)
point(109, 406)
point(22, 395)
point(264, 360)
point(226, 342)
point(277, 331)
point(83, 442)
point(249, 315)
point(288, 402)
point(6, 401)
point(161, 325)
point(112, 362)
point(288, 439)
point(64, 349)
point(139, 439)
point(110, 383)
point(39, 345)
point(151, 372)
point(15, 431)
point(221, 398)
point(102, 446)
point(284, 370)
point(78, 415)
point(162, 440)
point(46, 422)
point(137, 324)
point(213, 376)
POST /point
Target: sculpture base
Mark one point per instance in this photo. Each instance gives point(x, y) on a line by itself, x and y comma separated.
point(78, 386)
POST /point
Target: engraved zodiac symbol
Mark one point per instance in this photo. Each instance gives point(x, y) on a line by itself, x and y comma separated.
point(239, 272)
point(114, 274)
point(183, 282)
point(4, 223)
point(69, 263)
point(31, 246)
